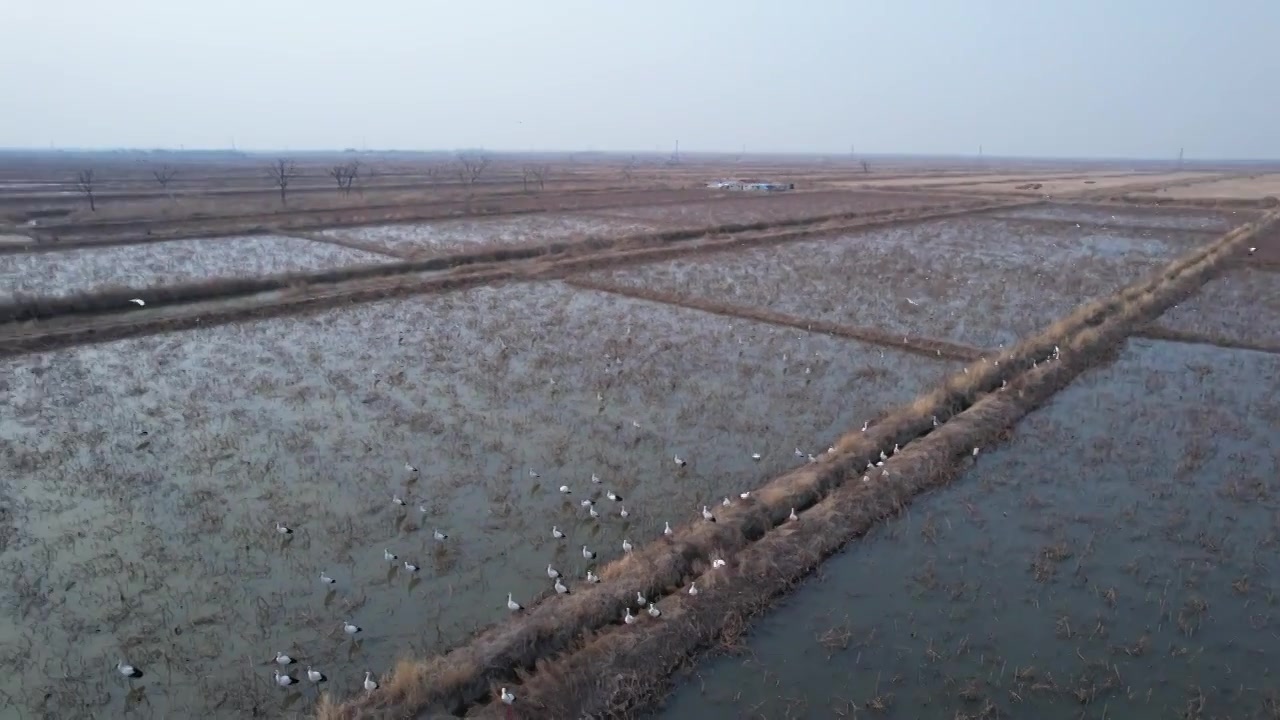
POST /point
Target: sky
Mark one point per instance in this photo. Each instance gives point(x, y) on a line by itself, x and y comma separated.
point(1046, 78)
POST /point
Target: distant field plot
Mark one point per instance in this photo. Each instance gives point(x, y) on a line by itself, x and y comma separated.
point(444, 236)
point(780, 207)
point(1241, 306)
point(1121, 217)
point(1249, 188)
point(167, 263)
point(973, 280)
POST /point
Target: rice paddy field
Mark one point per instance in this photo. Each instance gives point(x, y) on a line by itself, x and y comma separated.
point(156, 471)
point(66, 272)
point(445, 236)
point(371, 482)
point(975, 280)
point(1115, 558)
point(1119, 217)
point(777, 208)
point(1240, 306)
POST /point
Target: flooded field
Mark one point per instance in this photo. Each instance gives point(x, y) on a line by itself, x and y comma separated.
point(1242, 305)
point(974, 280)
point(1121, 217)
point(187, 497)
point(754, 208)
point(443, 236)
point(168, 263)
point(1115, 559)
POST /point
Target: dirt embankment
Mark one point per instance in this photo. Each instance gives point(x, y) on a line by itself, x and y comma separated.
point(607, 250)
point(608, 668)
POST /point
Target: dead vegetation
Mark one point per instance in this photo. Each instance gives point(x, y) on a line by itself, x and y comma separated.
point(767, 562)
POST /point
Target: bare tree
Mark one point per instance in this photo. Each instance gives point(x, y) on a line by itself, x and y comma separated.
point(346, 175)
point(281, 172)
point(163, 176)
point(85, 184)
point(540, 173)
point(629, 168)
point(865, 167)
point(471, 165)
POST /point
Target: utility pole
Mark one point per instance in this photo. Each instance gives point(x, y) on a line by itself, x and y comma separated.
point(1180, 158)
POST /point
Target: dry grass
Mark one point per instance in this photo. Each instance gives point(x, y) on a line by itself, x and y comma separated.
point(580, 682)
point(643, 655)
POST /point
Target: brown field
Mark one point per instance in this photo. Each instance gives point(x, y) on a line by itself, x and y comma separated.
point(1247, 187)
point(437, 354)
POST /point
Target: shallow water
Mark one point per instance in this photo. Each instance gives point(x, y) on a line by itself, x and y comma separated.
point(144, 479)
point(1117, 558)
point(976, 280)
point(1118, 217)
point(451, 235)
point(169, 262)
point(1241, 305)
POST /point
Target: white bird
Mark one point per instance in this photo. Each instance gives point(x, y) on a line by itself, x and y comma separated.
point(588, 502)
point(315, 676)
point(369, 683)
point(351, 628)
point(865, 425)
point(693, 588)
point(896, 449)
point(388, 555)
point(626, 545)
point(282, 529)
point(913, 302)
point(137, 301)
point(512, 605)
point(640, 599)
point(283, 680)
point(533, 473)
point(666, 530)
point(592, 512)
point(623, 512)
point(755, 456)
point(282, 659)
point(560, 587)
point(507, 697)
point(439, 536)
point(718, 563)
point(326, 579)
point(395, 498)
point(654, 611)
point(410, 566)
point(595, 478)
point(1253, 250)
point(975, 452)
point(726, 502)
point(555, 533)
point(422, 508)
point(628, 618)
point(613, 496)
point(812, 459)
point(679, 460)
point(552, 572)
point(745, 495)
point(798, 453)
point(592, 577)
point(793, 517)
point(127, 670)
point(883, 457)
point(410, 468)
point(706, 514)
point(565, 489)
point(588, 554)
point(635, 424)
point(935, 421)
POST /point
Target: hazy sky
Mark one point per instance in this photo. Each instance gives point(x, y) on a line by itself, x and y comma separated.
point(1117, 78)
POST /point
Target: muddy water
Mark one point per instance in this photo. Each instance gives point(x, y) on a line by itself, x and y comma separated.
point(975, 280)
point(1117, 558)
point(453, 235)
point(168, 263)
point(143, 480)
point(1119, 217)
point(1242, 305)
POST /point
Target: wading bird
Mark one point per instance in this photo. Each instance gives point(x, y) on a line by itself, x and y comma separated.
point(127, 670)
point(706, 514)
point(439, 536)
point(592, 577)
point(613, 496)
point(326, 579)
point(507, 697)
point(628, 618)
point(623, 512)
point(410, 566)
point(512, 605)
point(315, 676)
point(351, 628)
point(410, 468)
point(283, 680)
point(552, 572)
point(555, 533)
point(282, 529)
point(666, 530)
point(561, 588)
point(369, 683)
point(588, 554)
point(138, 301)
point(693, 588)
point(626, 546)
point(654, 611)
point(282, 659)
point(388, 555)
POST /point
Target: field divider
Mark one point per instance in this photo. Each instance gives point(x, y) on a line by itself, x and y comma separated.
point(1168, 334)
point(620, 669)
point(928, 347)
point(466, 675)
point(316, 237)
point(590, 252)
